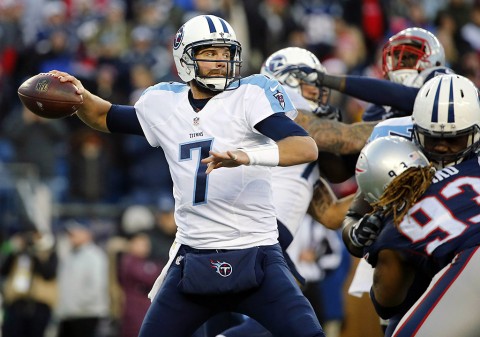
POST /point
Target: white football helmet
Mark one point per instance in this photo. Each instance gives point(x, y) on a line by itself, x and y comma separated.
point(203, 31)
point(382, 160)
point(292, 66)
point(409, 52)
point(447, 106)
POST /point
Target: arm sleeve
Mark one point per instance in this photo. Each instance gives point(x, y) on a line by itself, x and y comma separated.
point(279, 126)
point(381, 92)
point(123, 119)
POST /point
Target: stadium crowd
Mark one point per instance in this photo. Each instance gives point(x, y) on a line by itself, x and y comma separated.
point(118, 48)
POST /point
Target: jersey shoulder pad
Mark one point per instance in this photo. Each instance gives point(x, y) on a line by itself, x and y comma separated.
point(174, 87)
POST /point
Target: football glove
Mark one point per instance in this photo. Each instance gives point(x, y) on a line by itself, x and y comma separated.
point(328, 112)
point(366, 230)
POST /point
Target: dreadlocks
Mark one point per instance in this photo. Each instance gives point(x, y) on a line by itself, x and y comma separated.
point(403, 192)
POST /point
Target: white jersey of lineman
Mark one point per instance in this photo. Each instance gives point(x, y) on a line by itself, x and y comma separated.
point(401, 126)
point(293, 185)
point(231, 208)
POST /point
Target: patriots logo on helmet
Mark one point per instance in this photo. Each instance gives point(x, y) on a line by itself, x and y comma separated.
point(178, 38)
point(279, 96)
point(224, 269)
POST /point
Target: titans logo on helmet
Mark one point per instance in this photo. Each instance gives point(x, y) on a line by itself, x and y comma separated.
point(276, 62)
point(178, 38)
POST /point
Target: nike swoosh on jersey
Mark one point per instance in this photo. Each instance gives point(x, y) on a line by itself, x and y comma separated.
point(272, 89)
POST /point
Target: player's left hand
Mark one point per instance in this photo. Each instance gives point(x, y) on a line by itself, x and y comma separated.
point(366, 230)
point(328, 112)
point(225, 159)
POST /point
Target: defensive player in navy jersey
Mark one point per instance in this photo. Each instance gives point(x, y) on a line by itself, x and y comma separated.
point(439, 226)
point(226, 255)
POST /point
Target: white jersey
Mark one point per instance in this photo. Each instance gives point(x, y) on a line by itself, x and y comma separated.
point(293, 185)
point(401, 126)
point(231, 208)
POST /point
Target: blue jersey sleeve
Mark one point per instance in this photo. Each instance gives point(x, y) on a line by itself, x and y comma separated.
point(279, 126)
point(381, 92)
point(123, 119)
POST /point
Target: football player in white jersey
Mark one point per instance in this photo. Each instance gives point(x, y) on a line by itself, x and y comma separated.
point(226, 255)
point(293, 186)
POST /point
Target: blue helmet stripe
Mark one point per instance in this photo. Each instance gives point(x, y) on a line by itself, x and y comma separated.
point(435, 104)
point(210, 24)
point(224, 26)
point(451, 112)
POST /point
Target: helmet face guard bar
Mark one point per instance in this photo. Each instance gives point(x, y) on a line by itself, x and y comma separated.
point(468, 136)
point(233, 66)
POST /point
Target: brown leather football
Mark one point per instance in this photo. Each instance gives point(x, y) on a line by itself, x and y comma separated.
point(47, 97)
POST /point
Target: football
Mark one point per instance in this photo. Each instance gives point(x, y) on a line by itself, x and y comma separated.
point(47, 97)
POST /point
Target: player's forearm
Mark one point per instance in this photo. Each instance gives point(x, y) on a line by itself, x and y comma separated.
point(373, 90)
point(296, 150)
point(391, 279)
point(94, 111)
point(381, 92)
point(336, 137)
point(326, 208)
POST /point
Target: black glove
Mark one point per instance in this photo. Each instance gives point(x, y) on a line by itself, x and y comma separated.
point(328, 112)
point(365, 231)
point(306, 74)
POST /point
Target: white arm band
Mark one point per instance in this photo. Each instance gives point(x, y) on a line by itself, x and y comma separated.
point(263, 155)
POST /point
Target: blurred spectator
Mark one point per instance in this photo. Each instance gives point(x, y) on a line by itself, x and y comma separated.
point(107, 84)
point(163, 233)
point(140, 79)
point(147, 173)
point(83, 284)
point(317, 253)
point(136, 272)
point(445, 32)
point(135, 219)
point(371, 18)
point(91, 168)
point(143, 51)
point(11, 47)
point(469, 66)
point(30, 286)
point(41, 142)
point(111, 40)
point(460, 11)
point(318, 21)
point(470, 32)
point(350, 46)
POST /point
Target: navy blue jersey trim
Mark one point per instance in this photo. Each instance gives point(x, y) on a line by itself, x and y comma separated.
point(123, 119)
point(279, 126)
point(381, 92)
